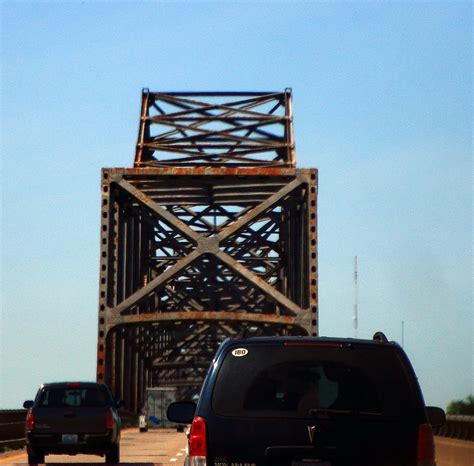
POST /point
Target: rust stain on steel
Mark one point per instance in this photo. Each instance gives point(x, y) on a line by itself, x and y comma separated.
point(203, 171)
point(206, 315)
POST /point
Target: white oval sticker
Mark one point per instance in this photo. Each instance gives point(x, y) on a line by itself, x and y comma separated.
point(239, 352)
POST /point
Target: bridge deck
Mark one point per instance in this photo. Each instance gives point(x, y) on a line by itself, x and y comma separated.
point(167, 448)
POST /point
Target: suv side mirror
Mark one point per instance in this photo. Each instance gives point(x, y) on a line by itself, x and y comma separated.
point(28, 404)
point(436, 416)
point(181, 412)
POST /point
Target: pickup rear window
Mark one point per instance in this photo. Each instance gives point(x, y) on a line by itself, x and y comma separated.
point(314, 381)
point(73, 397)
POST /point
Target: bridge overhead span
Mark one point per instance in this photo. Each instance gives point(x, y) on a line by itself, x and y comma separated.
point(198, 245)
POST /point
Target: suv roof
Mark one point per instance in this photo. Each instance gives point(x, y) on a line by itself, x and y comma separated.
point(79, 383)
point(379, 338)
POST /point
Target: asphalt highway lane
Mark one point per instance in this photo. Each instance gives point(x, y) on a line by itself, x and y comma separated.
point(452, 452)
point(166, 447)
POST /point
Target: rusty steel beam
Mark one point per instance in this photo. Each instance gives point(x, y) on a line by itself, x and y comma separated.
point(216, 129)
point(205, 245)
point(115, 319)
point(199, 246)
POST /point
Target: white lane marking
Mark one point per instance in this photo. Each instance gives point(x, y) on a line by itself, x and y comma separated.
point(173, 459)
point(179, 454)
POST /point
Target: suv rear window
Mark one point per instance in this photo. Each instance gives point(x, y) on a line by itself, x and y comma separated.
point(295, 381)
point(73, 397)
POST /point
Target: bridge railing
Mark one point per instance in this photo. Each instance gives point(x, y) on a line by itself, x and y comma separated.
point(12, 428)
point(457, 426)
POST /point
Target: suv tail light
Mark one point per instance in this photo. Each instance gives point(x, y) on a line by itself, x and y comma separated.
point(30, 421)
point(198, 442)
point(109, 419)
point(425, 454)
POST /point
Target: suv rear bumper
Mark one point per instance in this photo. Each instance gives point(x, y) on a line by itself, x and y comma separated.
point(87, 443)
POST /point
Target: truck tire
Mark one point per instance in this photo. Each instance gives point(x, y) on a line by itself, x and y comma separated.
point(35, 457)
point(113, 456)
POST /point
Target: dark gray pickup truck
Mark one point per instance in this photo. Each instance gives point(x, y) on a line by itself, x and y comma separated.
point(72, 418)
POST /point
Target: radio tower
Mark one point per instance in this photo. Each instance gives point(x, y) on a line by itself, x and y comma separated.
point(356, 304)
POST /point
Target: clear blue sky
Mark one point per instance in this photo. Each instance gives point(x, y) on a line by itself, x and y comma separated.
point(383, 107)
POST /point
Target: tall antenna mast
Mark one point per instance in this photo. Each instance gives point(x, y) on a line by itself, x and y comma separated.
point(356, 298)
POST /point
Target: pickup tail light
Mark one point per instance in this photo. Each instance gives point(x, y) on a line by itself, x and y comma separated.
point(425, 454)
point(109, 419)
point(198, 442)
point(30, 421)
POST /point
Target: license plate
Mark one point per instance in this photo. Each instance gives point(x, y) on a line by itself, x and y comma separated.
point(69, 438)
point(310, 463)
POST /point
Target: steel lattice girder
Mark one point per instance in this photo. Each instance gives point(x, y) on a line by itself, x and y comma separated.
point(190, 256)
point(216, 129)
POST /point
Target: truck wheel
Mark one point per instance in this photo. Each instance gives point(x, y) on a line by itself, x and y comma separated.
point(34, 457)
point(113, 456)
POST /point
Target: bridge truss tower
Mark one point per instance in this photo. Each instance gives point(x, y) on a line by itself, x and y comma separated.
point(214, 230)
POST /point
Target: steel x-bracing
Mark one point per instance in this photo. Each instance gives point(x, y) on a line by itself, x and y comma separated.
point(198, 247)
point(216, 129)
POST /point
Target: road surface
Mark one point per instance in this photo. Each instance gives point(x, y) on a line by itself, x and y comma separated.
point(167, 448)
point(164, 447)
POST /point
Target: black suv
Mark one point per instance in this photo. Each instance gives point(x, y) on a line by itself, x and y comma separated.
point(71, 418)
point(308, 401)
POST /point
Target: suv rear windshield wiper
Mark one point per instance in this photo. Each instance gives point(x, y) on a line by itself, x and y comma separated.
point(328, 412)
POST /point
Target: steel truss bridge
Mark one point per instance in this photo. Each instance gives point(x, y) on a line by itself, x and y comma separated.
point(213, 232)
